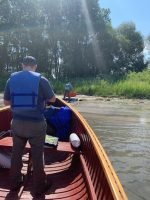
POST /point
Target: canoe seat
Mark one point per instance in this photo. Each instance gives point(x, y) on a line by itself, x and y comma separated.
point(62, 146)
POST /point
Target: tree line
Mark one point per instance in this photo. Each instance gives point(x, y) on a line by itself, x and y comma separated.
point(68, 38)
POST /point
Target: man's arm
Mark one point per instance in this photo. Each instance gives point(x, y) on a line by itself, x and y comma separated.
point(7, 103)
point(52, 100)
point(47, 91)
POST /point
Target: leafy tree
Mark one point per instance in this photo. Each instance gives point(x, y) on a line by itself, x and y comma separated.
point(130, 56)
point(68, 38)
point(16, 25)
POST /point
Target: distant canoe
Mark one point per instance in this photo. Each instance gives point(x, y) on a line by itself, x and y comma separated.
point(71, 94)
point(85, 173)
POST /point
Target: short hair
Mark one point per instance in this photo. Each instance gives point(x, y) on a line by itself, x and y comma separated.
point(29, 61)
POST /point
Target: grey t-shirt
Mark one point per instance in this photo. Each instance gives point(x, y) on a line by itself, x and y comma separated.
point(45, 93)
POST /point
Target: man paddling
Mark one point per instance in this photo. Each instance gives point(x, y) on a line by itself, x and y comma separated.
point(27, 92)
point(68, 89)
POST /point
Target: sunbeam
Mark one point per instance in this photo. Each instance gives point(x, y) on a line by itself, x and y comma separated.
point(92, 34)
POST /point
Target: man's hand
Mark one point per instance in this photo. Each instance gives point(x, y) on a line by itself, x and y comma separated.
point(52, 100)
point(7, 103)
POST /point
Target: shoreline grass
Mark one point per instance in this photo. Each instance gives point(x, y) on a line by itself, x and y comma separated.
point(134, 85)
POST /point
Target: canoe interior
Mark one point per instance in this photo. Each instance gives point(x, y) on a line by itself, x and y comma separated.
point(62, 169)
point(78, 175)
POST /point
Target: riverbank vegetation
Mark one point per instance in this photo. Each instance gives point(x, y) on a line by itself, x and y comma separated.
point(134, 85)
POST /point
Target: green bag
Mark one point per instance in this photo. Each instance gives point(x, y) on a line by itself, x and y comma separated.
point(51, 141)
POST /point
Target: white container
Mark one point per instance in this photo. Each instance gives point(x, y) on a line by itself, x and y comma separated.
point(75, 140)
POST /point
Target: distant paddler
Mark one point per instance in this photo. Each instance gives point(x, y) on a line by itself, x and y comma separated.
point(68, 91)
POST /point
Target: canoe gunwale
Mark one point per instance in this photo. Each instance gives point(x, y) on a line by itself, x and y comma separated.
point(112, 178)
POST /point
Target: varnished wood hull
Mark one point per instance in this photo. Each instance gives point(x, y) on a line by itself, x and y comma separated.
point(85, 174)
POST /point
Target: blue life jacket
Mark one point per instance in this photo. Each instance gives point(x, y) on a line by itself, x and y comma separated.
point(24, 86)
point(60, 118)
point(68, 87)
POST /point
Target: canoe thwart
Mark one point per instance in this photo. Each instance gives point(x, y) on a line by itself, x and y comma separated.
point(62, 146)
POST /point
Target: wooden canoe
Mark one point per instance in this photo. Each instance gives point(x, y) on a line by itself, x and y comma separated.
point(84, 174)
point(71, 94)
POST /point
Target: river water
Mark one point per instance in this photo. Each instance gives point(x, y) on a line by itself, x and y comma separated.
point(123, 128)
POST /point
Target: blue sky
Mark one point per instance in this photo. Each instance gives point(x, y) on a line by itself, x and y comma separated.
point(137, 11)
